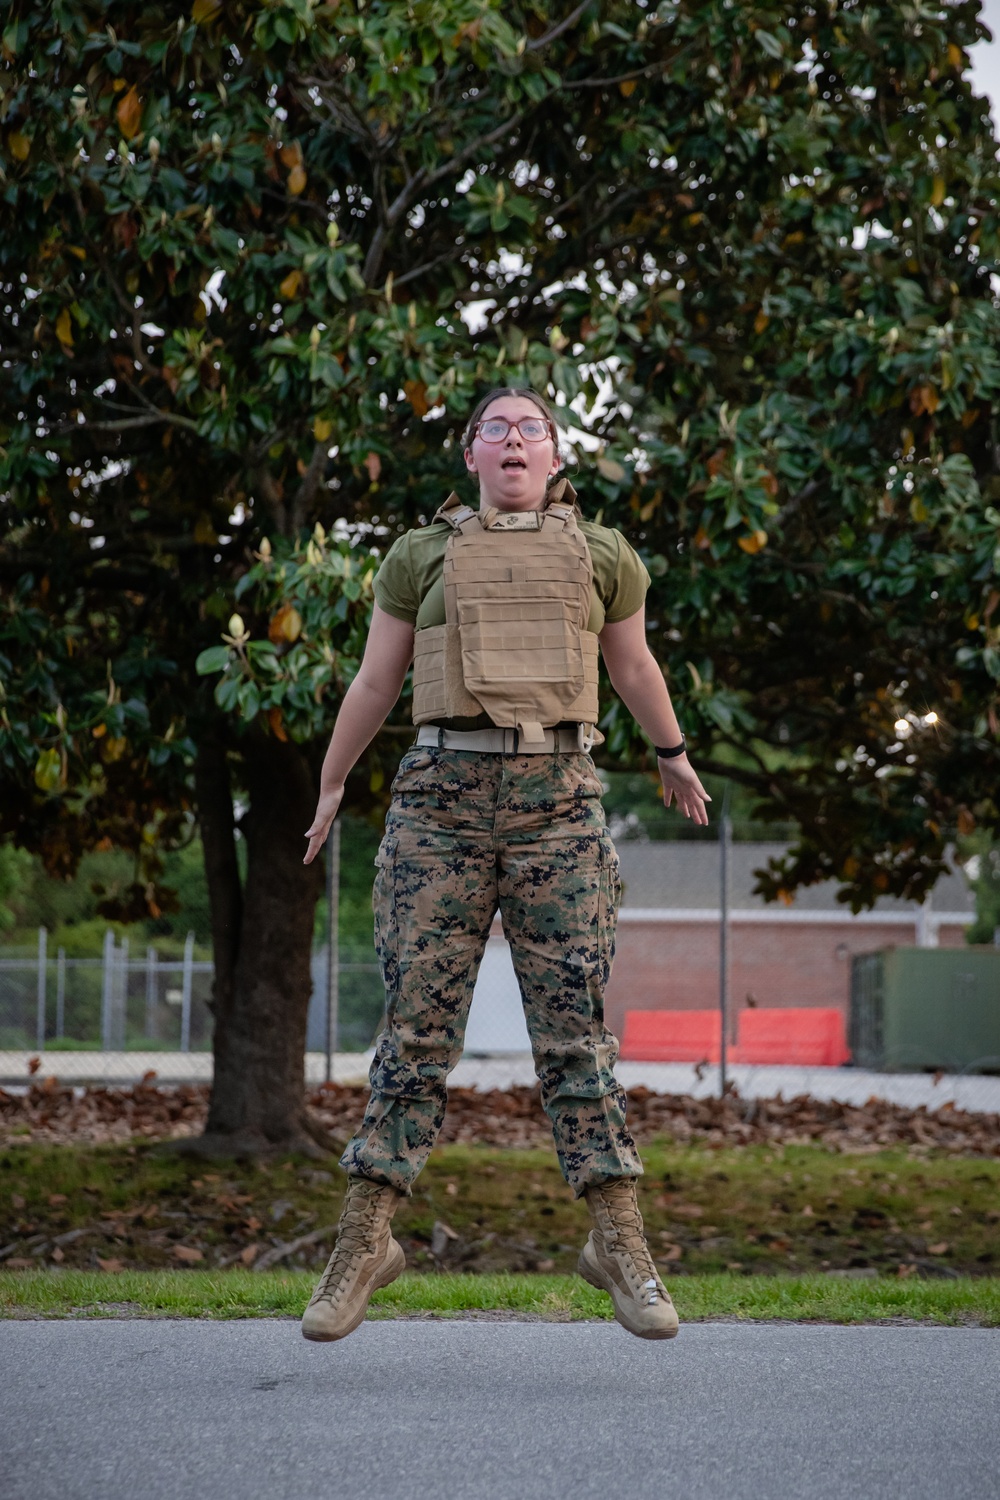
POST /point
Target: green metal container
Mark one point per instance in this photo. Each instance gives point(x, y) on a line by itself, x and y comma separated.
point(914, 1009)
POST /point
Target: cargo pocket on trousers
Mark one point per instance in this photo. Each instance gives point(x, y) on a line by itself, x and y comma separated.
point(608, 903)
point(386, 926)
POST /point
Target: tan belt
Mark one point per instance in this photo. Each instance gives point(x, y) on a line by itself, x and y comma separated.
point(505, 741)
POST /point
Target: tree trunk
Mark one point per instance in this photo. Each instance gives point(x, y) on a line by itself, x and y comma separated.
point(263, 944)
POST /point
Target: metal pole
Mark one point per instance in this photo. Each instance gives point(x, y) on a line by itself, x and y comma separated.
point(43, 940)
point(332, 944)
point(121, 994)
point(107, 979)
point(150, 994)
point(725, 834)
point(186, 993)
point(61, 992)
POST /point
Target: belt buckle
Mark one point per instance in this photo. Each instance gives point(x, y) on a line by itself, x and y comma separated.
point(585, 736)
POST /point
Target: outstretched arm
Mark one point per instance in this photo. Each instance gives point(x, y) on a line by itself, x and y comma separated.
point(639, 683)
point(388, 653)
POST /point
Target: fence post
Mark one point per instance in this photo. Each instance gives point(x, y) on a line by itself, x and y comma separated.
point(332, 944)
point(121, 994)
point(151, 995)
point(927, 928)
point(61, 992)
point(725, 835)
point(43, 939)
point(186, 993)
point(107, 981)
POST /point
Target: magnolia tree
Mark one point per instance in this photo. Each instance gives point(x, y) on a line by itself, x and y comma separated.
point(257, 264)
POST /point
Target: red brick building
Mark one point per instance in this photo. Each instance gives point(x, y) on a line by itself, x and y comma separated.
point(669, 933)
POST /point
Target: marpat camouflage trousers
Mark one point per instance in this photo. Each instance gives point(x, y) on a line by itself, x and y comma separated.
point(467, 833)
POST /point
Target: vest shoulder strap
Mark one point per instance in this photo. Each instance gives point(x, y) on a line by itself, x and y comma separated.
point(565, 515)
point(456, 513)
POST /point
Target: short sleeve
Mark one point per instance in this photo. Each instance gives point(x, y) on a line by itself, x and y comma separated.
point(395, 586)
point(626, 588)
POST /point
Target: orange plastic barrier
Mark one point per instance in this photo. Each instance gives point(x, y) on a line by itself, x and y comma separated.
point(812, 1036)
point(807, 1036)
point(671, 1036)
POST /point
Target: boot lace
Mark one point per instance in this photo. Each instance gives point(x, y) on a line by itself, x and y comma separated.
point(626, 1225)
point(354, 1238)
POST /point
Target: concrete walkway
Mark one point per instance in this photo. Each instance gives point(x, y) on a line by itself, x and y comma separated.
point(496, 1411)
point(969, 1091)
point(169, 1067)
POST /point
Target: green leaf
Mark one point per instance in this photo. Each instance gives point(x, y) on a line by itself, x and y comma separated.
point(770, 44)
point(212, 659)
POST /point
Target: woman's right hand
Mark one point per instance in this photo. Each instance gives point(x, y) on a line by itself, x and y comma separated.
point(326, 810)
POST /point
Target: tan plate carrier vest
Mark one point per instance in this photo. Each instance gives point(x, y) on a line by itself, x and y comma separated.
point(515, 645)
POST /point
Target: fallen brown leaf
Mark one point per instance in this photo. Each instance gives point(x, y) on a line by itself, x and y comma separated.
point(187, 1253)
point(110, 1265)
point(512, 1117)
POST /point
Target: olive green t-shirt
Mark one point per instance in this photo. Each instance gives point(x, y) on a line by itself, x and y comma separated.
point(409, 584)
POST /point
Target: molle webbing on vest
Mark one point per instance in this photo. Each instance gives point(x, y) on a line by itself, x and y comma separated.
point(517, 601)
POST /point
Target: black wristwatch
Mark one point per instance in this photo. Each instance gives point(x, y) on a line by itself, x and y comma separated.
point(672, 752)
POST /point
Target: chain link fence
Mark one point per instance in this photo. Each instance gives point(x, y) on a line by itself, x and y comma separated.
point(117, 1016)
point(690, 929)
point(114, 1018)
point(120, 1002)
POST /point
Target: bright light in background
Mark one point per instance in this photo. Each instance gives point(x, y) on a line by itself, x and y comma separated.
point(985, 60)
point(904, 727)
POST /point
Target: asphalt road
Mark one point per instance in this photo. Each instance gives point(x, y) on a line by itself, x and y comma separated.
point(498, 1411)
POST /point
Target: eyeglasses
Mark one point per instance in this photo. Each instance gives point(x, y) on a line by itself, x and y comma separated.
point(532, 429)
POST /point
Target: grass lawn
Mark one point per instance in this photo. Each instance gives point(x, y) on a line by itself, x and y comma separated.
point(970, 1301)
point(752, 1209)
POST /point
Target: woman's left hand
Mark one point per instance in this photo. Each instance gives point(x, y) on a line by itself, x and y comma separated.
point(681, 784)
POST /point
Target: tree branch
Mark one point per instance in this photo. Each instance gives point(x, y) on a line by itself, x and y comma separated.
point(306, 493)
point(124, 424)
point(649, 71)
point(454, 253)
point(550, 36)
point(263, 481)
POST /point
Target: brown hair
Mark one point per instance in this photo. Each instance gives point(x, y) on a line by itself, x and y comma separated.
point(508, 390)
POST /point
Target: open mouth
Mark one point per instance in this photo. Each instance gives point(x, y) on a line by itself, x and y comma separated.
point(513, 463)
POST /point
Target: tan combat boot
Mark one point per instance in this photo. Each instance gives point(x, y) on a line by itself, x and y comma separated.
point(616, 1258)
point(364, 1258)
